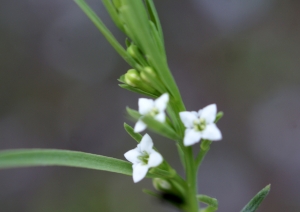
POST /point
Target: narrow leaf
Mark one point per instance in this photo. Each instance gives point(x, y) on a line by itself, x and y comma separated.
point(136, 136)
point(219, 116)
point(154, 17)
point(113, 13)
point(136, 90)
point(209, 209)
point(208, 200)
point(133, 113)
point(53, 157)
point(152, 193)
point(160, 128)
point(257, 200)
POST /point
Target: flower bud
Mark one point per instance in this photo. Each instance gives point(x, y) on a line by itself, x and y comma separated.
point(148, 71)
point(135, 53)
point(132, 51)
point(161, 184)
point(132, 77)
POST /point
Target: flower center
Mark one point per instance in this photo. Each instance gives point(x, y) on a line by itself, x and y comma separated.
point(153, 112)
point(199, 124)
point(144, 158)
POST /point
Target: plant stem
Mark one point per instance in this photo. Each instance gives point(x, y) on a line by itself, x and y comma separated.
point(191, 178)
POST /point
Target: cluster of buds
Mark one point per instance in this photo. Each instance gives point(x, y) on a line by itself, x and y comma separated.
point(136, 79)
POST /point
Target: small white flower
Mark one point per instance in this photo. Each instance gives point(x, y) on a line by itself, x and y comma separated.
point(155, 108)
point(200, 125)
point(143, 157)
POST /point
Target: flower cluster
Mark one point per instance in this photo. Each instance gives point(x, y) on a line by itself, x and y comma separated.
point(199, 125)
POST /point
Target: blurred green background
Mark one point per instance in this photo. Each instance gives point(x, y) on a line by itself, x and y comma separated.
point(59, 90)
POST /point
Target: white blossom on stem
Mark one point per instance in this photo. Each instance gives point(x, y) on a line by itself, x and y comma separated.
point(143, 157)
point(155, 108)
point(200, 125)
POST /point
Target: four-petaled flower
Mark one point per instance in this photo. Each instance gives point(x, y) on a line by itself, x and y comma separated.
point(143, 157)
point(155, 108)
point(200, 125)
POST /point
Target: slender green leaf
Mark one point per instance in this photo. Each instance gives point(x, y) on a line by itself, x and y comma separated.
point(152, 193)
point(211, 202)
point(136, 90)
point(257, 200)
point(133, 113)
point(54, 157)
point(160, 128)
point(209, 209)
point(113, 13)
point(154, 17)
point(219, 116)
point(157, 39)
point(181, 155)
point(136, 136)
point(208, 200)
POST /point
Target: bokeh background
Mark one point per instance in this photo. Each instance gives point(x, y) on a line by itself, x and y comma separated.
point(59, 90)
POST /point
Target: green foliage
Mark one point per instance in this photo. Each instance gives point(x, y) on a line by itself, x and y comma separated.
point(211, 202)
point(160, 128)
point(219, 116)
point(137, 90)
point(133, 113)
point(53, 157)
point(257, 200)
point(136, 136)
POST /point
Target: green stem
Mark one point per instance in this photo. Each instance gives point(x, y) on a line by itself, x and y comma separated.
point(191, 178)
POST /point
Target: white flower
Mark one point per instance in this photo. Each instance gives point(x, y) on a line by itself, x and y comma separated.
point(155, 108)
point(143, 157)
point(200, 125)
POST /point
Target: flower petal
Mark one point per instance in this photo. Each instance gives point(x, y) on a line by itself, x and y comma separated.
point(132, 155)
point(161, 117)
point(191, 137)
point(187, 118)
point(162, 102)
point(195, 113)
point(139, 126)
point(209, 113)
point(146, 144)
point(139, 172)
point(212, 133)
point(155, 159)
point(145, 105)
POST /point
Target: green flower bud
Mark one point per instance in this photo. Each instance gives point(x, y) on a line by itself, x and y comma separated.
point(161, 184)
point(134, 52)
point(150, 72)
point(132, 77)
point(131, 50)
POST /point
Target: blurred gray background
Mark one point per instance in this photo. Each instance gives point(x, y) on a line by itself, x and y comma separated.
point(59, 90)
